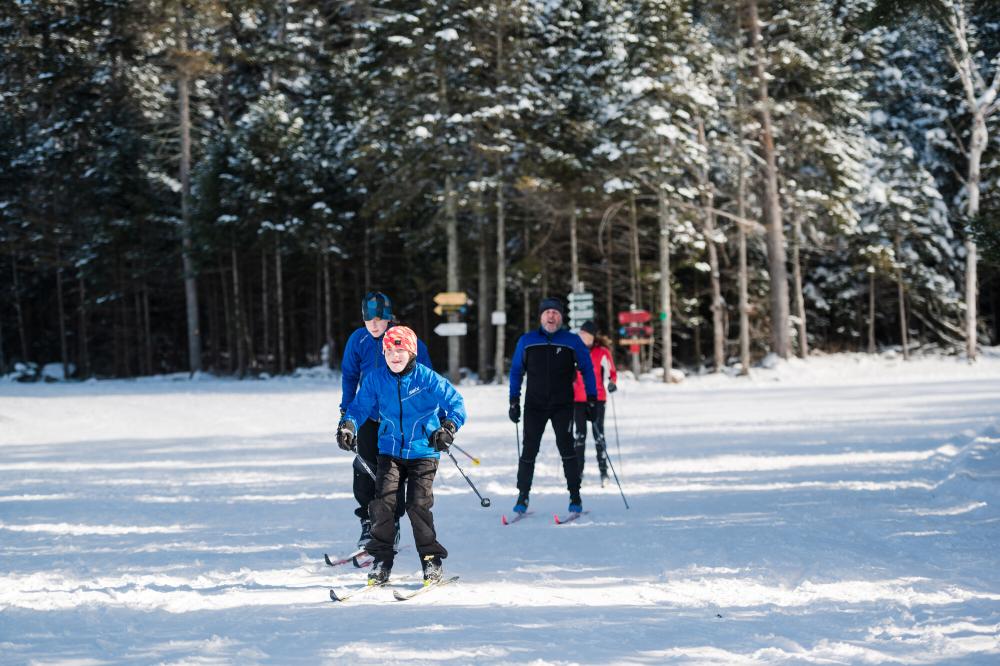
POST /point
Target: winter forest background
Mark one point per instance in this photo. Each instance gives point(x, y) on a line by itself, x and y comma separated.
point(211, 184)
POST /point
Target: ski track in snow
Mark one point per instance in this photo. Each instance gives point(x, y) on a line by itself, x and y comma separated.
point(843, 510)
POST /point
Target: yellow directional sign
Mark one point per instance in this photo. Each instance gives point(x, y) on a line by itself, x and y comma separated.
point(635, 341)
point(441, 310)
point(454, 298)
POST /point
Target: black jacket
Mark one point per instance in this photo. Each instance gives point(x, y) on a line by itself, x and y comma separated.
point(551, 362)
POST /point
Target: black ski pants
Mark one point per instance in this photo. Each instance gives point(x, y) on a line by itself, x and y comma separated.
point(364, 485)
point(580, 418)
point(418, 478)
point(535, 419)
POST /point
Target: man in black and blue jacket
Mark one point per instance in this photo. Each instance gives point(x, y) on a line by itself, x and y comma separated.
point(550, 356)
point(362, 356)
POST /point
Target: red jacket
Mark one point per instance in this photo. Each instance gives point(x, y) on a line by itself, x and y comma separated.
point(604, 367)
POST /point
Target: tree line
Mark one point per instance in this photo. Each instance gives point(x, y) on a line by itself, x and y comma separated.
point(213, 184)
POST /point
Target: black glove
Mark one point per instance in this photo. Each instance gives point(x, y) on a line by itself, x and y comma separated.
point(346, 436)
point(612, 387)
point(342, 412)
point(515, 410)
point(442, 438)
point(591, 408)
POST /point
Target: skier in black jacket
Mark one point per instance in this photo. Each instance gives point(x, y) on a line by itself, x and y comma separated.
point(550, 356)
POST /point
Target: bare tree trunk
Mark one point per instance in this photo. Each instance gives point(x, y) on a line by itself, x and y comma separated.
point(327, 307)
point(775, 230)
point(744, 278)
point(574, 272)
point(241, 346)
point(982, 102)
point(367, 259)
point(61, 307)
point(633, 222)
point(800, 303)
point(499, 351)
point(871, 310)
point(84, 333)
point(228, 318)
point(483, 288)
point(609, 278)
point(451, 227)
point(187, 233)
point(904, 334)
point(718, 305)
point(264, 311)
point(666, 337)
point(525, 285)
point(147, 327)
point(279, 294)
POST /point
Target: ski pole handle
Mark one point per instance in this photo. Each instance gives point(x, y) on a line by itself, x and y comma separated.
point(475, 461)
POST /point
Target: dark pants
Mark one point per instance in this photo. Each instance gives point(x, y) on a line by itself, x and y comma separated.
point(418, 478)
point(580, 417)
point(364, 485)
point(535, 419)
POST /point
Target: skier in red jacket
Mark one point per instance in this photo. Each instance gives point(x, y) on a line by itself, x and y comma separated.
point(604, 370)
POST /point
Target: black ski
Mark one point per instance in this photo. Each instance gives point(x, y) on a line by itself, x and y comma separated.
point(344, 560)
point(404, 596)
point(568, 518)
point(352, 593)
point(517, 518)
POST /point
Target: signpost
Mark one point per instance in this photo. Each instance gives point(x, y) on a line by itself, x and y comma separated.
point(635, 332)
point(581, 308)
point(452, 328)
point(454, 299)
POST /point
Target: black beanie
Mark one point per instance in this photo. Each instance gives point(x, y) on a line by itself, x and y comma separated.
point(589, 327)
point(551, 303)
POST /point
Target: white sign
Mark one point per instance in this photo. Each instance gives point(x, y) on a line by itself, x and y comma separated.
point(581, 297)
point(580, 316)
point(499, 318)
point(452, 328)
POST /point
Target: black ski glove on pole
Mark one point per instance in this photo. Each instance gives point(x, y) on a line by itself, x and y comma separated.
point(591, 408)
point(612, 387)
point(515, 410)
point(442, 438)
point(346, 436)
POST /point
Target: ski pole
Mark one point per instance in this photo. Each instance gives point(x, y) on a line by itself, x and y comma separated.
point(618, 443)
point(608, 458)
point(517, 431)
point(483, 501)
point(475, 461)
point(359, 462)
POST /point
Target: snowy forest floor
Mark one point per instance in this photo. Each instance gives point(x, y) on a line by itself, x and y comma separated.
point(843, 510)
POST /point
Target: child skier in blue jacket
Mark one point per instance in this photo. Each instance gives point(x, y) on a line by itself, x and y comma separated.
point(408, 398)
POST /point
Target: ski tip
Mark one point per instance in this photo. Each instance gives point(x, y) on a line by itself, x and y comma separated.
point(333, 596)
point(328, 560)
point(503, 519)
point(555, 517)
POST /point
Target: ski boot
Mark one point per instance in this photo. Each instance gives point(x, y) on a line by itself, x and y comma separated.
point(605, 480)
point(522, 503)
point(379, 574)
point(366, 533)
point(575, 503)
point(433, 569)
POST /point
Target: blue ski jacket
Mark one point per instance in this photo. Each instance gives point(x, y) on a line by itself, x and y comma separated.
point(551, 361)
point(362, 355)
point(407, 406)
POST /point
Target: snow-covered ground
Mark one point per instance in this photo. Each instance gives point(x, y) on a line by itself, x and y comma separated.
point(844, 510)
